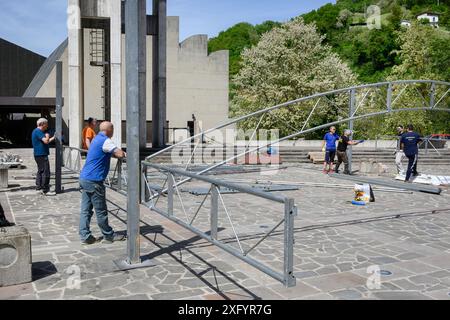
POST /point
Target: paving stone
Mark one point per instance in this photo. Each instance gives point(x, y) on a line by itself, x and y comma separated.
point(335, 281)
point(347, 294)
point(299, 291)
point(108, 294)
point(404, 295)
point(177, 295)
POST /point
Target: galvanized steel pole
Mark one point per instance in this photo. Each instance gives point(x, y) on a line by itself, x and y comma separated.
point(350, 127)
point(135, 87)
point(58, 129)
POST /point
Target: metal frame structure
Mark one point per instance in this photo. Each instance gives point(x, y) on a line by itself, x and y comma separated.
point(216, 200)
point(356, 103)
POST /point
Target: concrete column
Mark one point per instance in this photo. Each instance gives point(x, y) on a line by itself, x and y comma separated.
point(159, 74)
point(75, 62)
point(116, 69)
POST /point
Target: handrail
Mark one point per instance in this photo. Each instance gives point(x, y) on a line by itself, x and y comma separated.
point(220, 183)
point(290, 211)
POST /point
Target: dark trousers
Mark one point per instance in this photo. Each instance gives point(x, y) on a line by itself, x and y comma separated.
point(412, 165)
point(43, 173)
point(342, 158)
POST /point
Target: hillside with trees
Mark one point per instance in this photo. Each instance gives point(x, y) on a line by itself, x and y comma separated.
point(273, 62)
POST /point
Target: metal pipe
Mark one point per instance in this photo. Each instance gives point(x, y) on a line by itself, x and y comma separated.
point(133, 19)
point(214, 211)
point(272, 197)
point(258, 265)
point(350, 127)
point(58, 129)
point(289, 215)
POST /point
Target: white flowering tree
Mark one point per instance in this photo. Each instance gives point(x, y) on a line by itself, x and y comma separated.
point(288, 63)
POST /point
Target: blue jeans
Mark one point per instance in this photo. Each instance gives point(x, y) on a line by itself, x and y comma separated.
point(94, 197)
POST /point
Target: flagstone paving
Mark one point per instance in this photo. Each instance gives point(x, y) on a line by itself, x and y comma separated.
point(407, 234)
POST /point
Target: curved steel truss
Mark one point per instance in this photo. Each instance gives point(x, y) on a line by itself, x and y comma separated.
point(344, 106)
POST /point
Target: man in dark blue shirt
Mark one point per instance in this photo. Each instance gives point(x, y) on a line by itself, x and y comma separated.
point(41, 140)
point(409, 144)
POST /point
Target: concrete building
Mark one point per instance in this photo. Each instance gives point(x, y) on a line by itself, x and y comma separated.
point(94, 72)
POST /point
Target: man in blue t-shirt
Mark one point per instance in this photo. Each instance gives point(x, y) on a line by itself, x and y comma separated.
point(41, 139)
point(329, 147)
point(92, 178)
point(409, 144)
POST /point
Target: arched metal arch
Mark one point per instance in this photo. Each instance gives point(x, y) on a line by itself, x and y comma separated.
point(391, 99)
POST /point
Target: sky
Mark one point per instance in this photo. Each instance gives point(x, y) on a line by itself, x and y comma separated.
point(40, 25)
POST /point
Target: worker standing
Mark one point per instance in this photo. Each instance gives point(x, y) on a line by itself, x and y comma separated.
point(329, 147)
point(88, 133)
point(399, 154)
point(92, 179)
point(41, 140)
point(409, 145)
point(342, 157)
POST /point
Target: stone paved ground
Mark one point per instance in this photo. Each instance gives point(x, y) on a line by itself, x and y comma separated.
point(335, 244)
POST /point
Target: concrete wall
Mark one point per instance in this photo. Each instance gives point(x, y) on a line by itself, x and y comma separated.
point(197, 83)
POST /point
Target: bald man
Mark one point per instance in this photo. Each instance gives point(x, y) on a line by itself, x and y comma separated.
point(92, 178)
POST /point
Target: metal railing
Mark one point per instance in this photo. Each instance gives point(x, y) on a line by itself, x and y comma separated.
point(116, 180)
point(216, 200)
point(427, 143)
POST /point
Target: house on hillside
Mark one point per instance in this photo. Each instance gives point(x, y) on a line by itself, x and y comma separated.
point(405, 23)
point(433, 18)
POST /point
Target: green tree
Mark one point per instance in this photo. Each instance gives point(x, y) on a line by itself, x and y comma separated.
point(237, 38)
point(396, 16)
point(289, 62)
point(424, 54)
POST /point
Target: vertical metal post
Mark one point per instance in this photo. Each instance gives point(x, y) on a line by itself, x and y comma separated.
point(389, 98)
point(134, 69)
point(58, 129)
point(144, 191)
point(159, 73)
point(350, 127)
point(119, 174)
point(214, 211)
point(290, 211)
point(432, 95)
point(170, 186)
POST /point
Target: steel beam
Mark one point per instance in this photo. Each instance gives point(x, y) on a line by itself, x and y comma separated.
point(58, 129)
point(289, 215)
point(214, 211)
point(134, 87)
point(352, 104)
